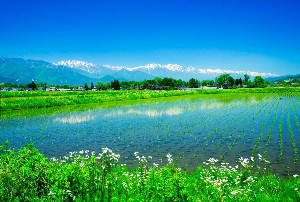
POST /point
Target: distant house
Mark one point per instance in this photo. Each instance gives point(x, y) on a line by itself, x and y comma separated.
point(26, 89)
point(63, 89)
point(193, 89)
point(16, 89)
point(182, 87)
point(41, 88)
point(6, 89)
point(156, 87)
point(209, 87)
point(226, 86)
point(80, 88)
point(51, 89)
point(94, 89)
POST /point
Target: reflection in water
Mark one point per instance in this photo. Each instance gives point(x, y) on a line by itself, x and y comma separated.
point(74, 119)
point(148, 112)
point(196, 127)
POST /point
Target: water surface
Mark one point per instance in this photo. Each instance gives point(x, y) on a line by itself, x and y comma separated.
point(191, 128)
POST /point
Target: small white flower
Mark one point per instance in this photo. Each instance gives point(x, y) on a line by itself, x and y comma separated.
point(124, 185)
point(259, 156)
point(295, 175)
point(51, 193)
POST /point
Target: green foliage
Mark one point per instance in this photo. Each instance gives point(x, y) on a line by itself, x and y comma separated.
point(193, 83)
point(85, 86)
point(259, 82)
point(246, 78)
point(207, 82)
point(115, 84)
point(27, 175)
point(31, 85)
point(92, 85)
point(37, 99)
point(223, 79)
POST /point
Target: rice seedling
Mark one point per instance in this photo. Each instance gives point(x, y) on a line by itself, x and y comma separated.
point(250, 120)
point(257, 144)
point(291, 132)
point(271, 130)
point(280, 132)
point(293, 111)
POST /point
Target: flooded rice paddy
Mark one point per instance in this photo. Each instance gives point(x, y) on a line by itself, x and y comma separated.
point(191, 128)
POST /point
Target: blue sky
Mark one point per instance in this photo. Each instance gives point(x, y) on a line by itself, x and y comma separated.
point(249, 35)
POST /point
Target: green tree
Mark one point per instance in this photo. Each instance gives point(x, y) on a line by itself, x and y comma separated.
point(259, 82)
point(115, 84)
point(246, 78)
point(231, 81)
point(65, 86)
point(92, 85)
point(239, 82)
point(193, 83)
point(207, 82)
point(31, 85)
point(86, 87)
point(222, 80)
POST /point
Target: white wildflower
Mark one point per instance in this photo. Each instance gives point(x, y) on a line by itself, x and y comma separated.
point(51, 193)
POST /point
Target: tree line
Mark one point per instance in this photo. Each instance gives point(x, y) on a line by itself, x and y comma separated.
point(222, 81)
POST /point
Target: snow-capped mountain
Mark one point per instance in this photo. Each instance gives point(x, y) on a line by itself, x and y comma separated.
point(79, 65)
point(86, 67)
point(74, 72)
point(154, 70)
point(178, 71)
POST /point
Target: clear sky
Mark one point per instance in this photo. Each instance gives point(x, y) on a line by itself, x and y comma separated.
point(254, 35)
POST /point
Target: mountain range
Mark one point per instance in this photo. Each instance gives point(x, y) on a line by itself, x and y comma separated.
point(73, 72)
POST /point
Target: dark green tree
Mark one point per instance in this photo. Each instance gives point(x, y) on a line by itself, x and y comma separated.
point(86, 87)
point(259, 82)
point(246, 78)
point(92, 85)
point(222, 80)
point(65, 86)
point(115, 84)
point(193, 83)
point(207, 82)
point(231, 81)
point(239, 82)
point(32, 85)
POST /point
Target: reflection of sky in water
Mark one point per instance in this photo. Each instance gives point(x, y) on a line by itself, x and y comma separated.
point(75, 118)
point(199, 128)
point(150, 113)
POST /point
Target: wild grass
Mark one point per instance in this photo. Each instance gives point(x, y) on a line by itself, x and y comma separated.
point(38, 99)
point(26, 175)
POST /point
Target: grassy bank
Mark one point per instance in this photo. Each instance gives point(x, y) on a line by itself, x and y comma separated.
point(28, 175)
point(38, 99)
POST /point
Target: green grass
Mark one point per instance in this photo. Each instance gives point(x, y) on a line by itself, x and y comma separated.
point(26, 175)
point(39, 99)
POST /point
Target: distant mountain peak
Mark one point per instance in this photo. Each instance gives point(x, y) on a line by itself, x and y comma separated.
point(114, 68)
point(75, 64)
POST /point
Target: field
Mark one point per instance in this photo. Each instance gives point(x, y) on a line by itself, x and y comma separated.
point(254, 134)
point(38, 99)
